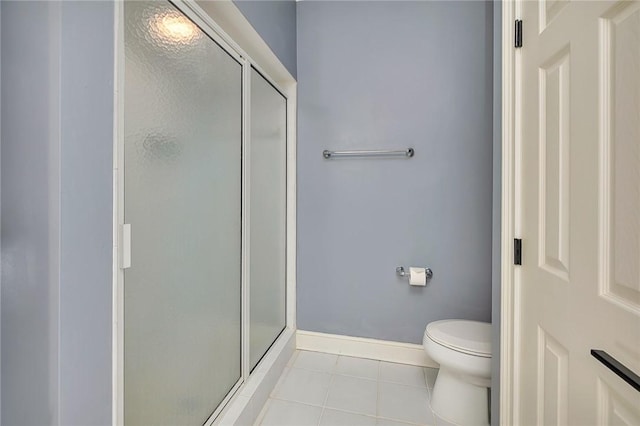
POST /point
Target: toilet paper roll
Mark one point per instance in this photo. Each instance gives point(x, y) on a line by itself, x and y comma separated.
point(417, 276)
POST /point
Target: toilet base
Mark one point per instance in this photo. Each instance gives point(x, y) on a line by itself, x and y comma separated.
point(459, 401)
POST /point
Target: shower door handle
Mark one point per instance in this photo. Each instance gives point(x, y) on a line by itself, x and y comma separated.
point(125, 246)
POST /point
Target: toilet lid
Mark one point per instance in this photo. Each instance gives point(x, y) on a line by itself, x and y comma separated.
point(472, 337)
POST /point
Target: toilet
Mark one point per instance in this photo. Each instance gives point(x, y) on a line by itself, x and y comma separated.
point(463, 350)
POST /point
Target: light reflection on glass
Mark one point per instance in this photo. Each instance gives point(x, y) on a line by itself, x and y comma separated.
point(174, 28)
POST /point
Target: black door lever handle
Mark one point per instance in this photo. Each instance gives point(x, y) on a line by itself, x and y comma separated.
point(614, 365)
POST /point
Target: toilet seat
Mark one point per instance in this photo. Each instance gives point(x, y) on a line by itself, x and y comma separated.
point(468, 337)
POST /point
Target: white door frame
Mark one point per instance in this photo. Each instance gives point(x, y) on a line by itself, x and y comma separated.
point(275, 73)
point(510, 224)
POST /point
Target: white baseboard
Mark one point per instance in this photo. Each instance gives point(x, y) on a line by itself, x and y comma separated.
point(383, 350)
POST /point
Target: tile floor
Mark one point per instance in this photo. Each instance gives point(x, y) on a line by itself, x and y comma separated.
point(318, 389)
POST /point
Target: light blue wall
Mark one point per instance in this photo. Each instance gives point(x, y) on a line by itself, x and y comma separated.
point(30, 216)
point(497, 200)
point(275, 21)
point(393, 75)
point(86, 211)
point(57, 116)
point(0, 213)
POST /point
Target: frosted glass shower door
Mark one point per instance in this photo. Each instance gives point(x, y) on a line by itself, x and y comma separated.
point(182, 197)
point(267, 243)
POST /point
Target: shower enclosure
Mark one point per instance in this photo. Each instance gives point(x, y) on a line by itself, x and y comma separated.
point(202, 214)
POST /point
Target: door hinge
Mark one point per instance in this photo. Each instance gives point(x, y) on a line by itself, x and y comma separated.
point(518, 33)
point(517, 251)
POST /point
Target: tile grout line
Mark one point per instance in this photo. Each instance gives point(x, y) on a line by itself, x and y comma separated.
point(378, 391)
point(405, 384)
point(293, 359)
point(431, 386)
point(291, 401)
point(280, 382)
point(426, 380)
point(272, 395)
point(266, 407)
point(402, 422)
point(334, 372)
point(423, 382)
point(263, 412)
point(357, 413)
point(326, 397)
point(424, 388)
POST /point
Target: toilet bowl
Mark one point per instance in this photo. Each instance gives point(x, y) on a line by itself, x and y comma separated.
point(463, 350)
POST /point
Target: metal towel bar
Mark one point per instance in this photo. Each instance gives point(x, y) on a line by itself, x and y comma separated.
point(369, 153)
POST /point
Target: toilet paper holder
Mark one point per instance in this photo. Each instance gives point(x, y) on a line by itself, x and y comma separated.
point(401, 272)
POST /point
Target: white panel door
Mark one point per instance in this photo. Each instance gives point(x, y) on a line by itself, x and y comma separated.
point(578, 80)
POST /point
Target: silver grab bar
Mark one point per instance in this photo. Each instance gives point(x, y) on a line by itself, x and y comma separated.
point(369, 153)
